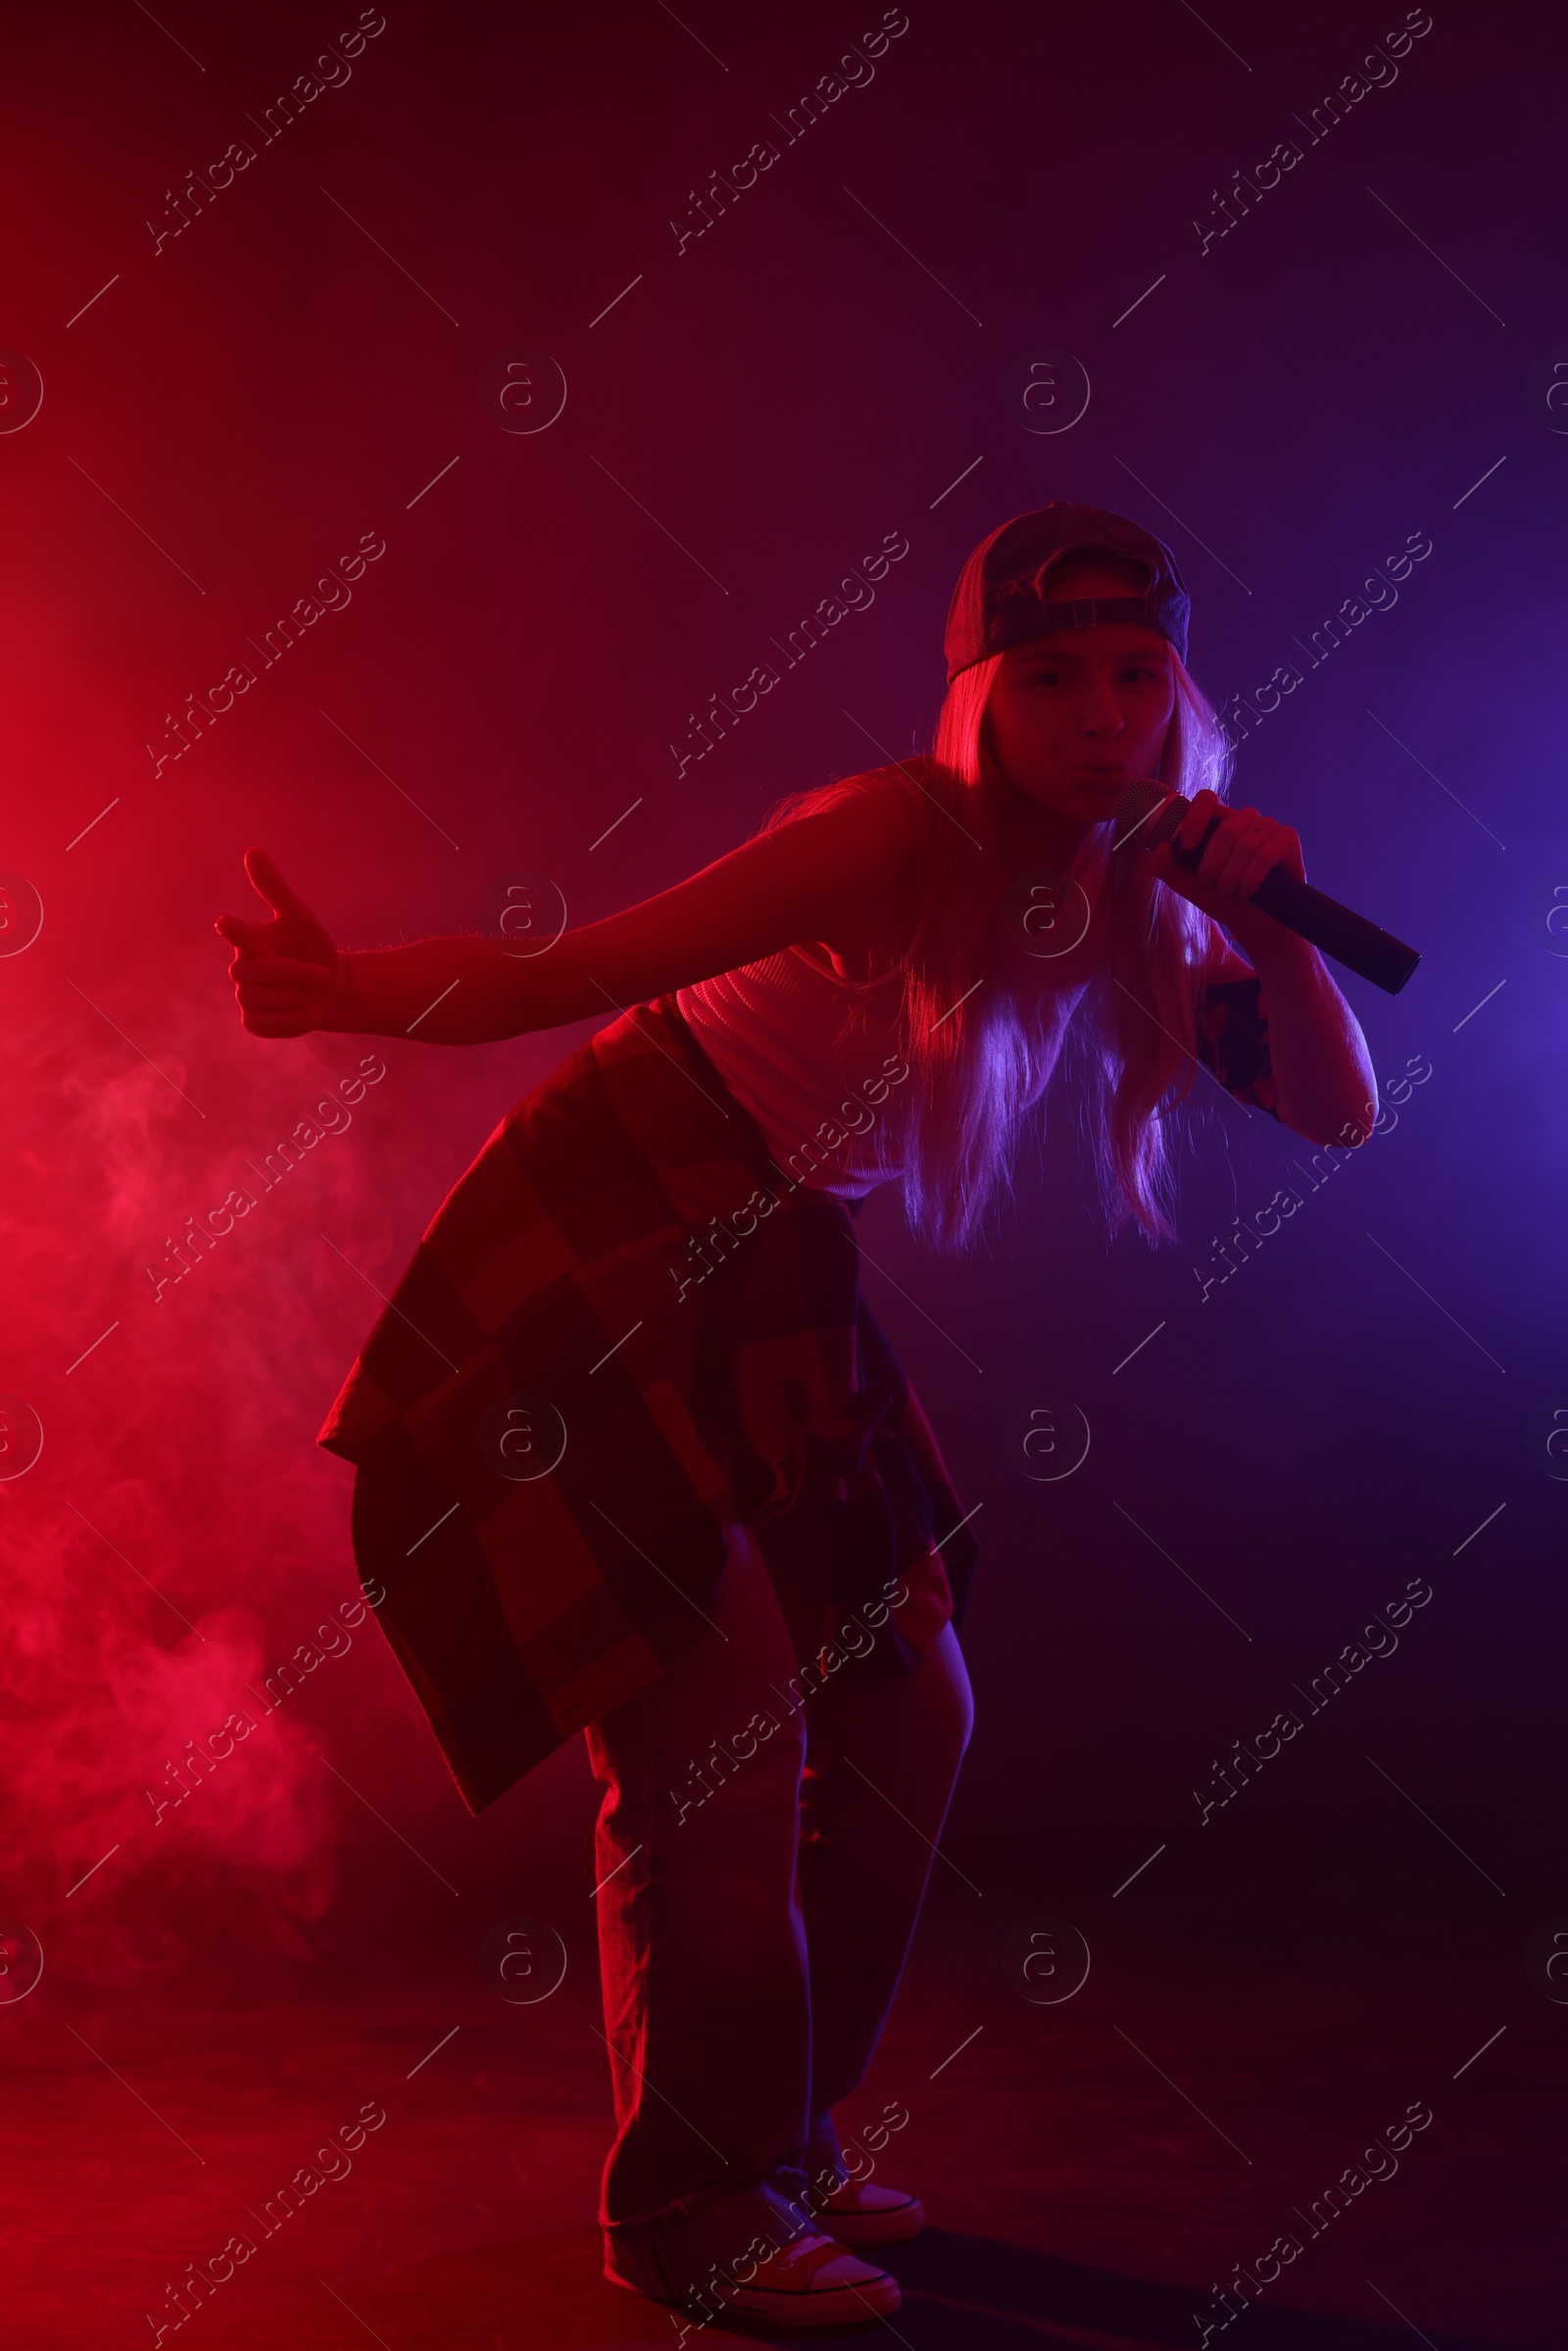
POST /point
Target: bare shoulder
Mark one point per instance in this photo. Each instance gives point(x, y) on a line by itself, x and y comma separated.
point(878, 845)
point(878, 814)
point(841, 866)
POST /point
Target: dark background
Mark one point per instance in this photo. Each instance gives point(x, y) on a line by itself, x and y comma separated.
point(742, 425)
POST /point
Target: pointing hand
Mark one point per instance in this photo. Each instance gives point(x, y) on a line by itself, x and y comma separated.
point(286, 972)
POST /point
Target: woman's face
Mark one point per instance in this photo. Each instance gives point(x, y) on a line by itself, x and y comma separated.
point(1073, 715)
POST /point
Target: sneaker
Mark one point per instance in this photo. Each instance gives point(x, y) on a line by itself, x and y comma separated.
point(811, 2282)
point(860, 2213)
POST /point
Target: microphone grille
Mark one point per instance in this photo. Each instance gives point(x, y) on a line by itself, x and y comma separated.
point(1135, 807)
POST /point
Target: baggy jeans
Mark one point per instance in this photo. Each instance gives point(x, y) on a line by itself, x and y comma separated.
point(761, 1859)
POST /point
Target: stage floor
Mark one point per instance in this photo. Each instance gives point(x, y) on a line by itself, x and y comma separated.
point(1092, 2170)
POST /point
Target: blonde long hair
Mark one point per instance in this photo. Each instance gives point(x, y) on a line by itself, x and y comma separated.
point(981, 1052)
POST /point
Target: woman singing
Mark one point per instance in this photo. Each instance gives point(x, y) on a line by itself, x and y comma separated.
point(633, 1457)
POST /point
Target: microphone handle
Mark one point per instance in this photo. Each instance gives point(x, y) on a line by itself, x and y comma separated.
point(1360, 946)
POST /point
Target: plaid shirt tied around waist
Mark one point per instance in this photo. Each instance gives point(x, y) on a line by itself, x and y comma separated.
point(557, 1414)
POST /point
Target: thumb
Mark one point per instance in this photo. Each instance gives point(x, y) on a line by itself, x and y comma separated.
point(267, 878)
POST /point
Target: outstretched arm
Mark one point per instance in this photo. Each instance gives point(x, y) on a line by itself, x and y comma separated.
point(796, 881)
point(1323, 1076)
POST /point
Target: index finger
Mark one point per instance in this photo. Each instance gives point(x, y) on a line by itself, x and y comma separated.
point(247, 936)
point(251, 969)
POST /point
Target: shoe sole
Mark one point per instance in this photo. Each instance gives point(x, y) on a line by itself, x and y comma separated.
point(833, 2305)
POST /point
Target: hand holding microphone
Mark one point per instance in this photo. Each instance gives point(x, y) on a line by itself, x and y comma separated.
point(1225, 860)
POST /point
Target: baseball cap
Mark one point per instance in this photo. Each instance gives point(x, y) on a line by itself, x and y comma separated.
point(1002, 598)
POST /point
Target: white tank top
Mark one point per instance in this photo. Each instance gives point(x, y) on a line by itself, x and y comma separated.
point(816, 1059)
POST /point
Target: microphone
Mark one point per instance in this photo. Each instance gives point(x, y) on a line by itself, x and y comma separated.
point(1151, 813)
